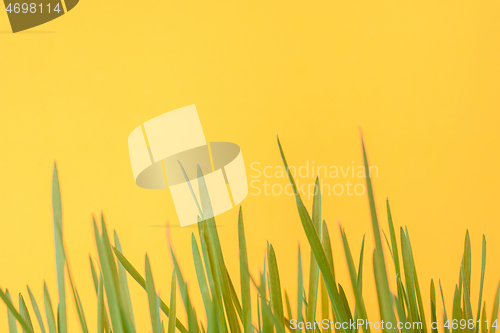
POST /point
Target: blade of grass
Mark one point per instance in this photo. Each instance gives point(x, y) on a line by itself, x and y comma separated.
point(356, 286)
point(457, 311)
point(221, 276)
point(359, 281)
point(49, 312)
point(23, 311)
point(300, 290)
point(95, 278)
point(110, 279)
point(417, 286)
point(152, 299)
point(10, 317)
point(214, 287)
point(433, 305)
point(494, 313)
point(37, 310)
point(467, 261)
point(173, 305)
point(393, 240)
point(142, 282)
point(483, 269)
point(383, 293)
point(123, 284)
point(60, 258)
point(401, 313)
point(327, 247)
point(445, 316)
point(408, 272)
point(345, 303)
point(202, 281)
point(467, 305)
point(81, 314)
point(484, 329)
point(313, 265)
point(244, 277)
point(317, 248)
point(20, 319)
point(101, 310)
point(275, 287)
point(325, 307)
point(288, 310)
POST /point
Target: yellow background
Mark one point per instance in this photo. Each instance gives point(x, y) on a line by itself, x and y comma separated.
point(421, 78)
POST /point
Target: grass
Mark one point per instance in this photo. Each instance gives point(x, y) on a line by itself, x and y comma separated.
point(229, 310)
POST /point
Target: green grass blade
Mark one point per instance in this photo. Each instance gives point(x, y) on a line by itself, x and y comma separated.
point(327, 247)
point(401, 313)
point(244, 277)
point(23, 311)
point(37, 310)
point(221, 276)
point(234, 297)
point(123, 283)
point(403, 298)
point(81, 314)
point(417, 286)
point(200, 274)
point(409, 278)
point(49, 310)
point(457, 311)
point(345, 303)
point(433, 305)
point(313, 265)
point(183, 287)
point(173, 304)
point(110, 279)
point(467, 262)
point(20, 319)
point(152, 298)
point(355, 284)
point(359, 280)
point(267, 324)
point(101, 310)
point(388, 244)
point(317, 248)
point(467, 302)
point(494, 313)
point(134, 273)
point(218, 309)
point(445, 316)
point(288, 309)
point(95, 278)
point(483, 269)
point(383, 293)
point(60, 258)
point(394, 243)
point(275, 287)
point(484, 329)
point(300, 289)
point(10, 316)
point(325, 306)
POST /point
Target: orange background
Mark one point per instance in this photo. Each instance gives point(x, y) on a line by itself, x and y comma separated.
point(420, 78)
